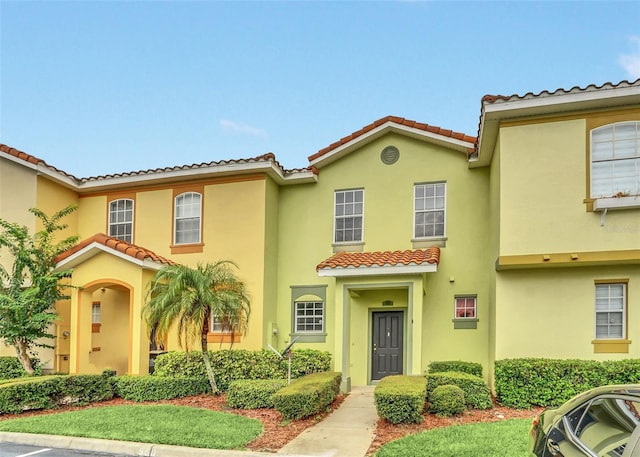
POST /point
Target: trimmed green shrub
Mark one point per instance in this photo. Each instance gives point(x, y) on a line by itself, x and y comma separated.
point(45, 392)
point(308, 395)
point(29, 393)
point(11, 368)
point(253, 393)
point(527, 382)
point(401, 398)
point(85, 389)
point(154, 388)
point(476, 391)
point(456, 365)
point(231, 365)
point(447, 400)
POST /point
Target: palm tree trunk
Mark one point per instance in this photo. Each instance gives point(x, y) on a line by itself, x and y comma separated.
point(207, 360)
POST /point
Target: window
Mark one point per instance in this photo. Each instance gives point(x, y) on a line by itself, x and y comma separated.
point(309, 313)
point(121, 219)
point(95, 317)
point(429, 210)
point(221, 331)
point(349, 211)
point(187, 218)
point(465, 307)
point(615, 160)
point(218, 326)
point(309, 316)
point(602, 426)
point(95, 313)
point(611, 302)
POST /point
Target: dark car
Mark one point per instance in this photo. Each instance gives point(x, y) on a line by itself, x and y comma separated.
point(600, 422)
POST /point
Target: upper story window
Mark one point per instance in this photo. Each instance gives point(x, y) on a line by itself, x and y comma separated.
point(187, 218)
point(429, 205)
point(349, 214)
point(615, 160)
point(121, 219)
point(611, 304)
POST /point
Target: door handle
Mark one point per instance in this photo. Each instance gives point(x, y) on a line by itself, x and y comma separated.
point(375, 348)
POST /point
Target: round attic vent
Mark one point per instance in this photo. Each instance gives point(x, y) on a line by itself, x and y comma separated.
point(390, 155)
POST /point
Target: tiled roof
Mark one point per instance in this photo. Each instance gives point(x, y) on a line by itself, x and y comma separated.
point(118, 245)
point(264, 158)
point(31, 159)
point(399, 121)
point(381, 259)
point(489, 99)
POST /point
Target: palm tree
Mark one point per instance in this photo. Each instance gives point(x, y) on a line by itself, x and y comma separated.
point(190, 297)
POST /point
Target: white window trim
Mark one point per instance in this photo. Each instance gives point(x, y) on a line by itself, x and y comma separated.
point(133, 213)
point(624, 311)
point(221, 331)
point(175, 219)
point(335, 218)
point(296, 331)
point(94, 314)
point(466, 297)
point(612, 202)
point(435, 237)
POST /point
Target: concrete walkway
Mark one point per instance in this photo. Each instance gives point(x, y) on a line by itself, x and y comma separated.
point(346, 432)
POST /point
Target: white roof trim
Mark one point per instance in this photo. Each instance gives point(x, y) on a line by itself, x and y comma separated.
point(96, 248)
point(561, 98)
point(369, 136)
point(42, 169)
point(376, 270)
point(195, 171)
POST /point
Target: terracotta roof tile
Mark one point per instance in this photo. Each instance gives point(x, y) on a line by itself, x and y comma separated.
point(381, 258)
point(31, 159)
point(129, 249)
point(488, 99)
point(397, 120)
point(268, 157)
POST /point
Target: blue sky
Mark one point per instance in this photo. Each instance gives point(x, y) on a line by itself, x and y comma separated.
point(103, 87)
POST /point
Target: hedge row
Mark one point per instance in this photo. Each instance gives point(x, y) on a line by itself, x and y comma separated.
point(253, 393)
point(231, 365)
point(523, 383)
point(401, 398)
point(11, 368)
point(456, 365)
point(154, 388)
point(308, 395)
point(50, 391)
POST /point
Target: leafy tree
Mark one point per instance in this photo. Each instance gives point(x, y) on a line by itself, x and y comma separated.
point(30, 289)
point(189, 297)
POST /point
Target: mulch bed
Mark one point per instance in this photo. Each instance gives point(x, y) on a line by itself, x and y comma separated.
point(277, 432)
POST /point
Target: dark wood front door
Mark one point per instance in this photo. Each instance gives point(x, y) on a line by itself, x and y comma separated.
point(386, 357)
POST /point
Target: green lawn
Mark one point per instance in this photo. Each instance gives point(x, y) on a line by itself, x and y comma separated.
point(158, 424)
point(496, 439)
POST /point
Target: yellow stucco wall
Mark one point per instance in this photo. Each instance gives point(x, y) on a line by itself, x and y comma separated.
point(121, 331)
point(543, 175)
point(234, 221)
point(14, 207)
point(551, 312)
